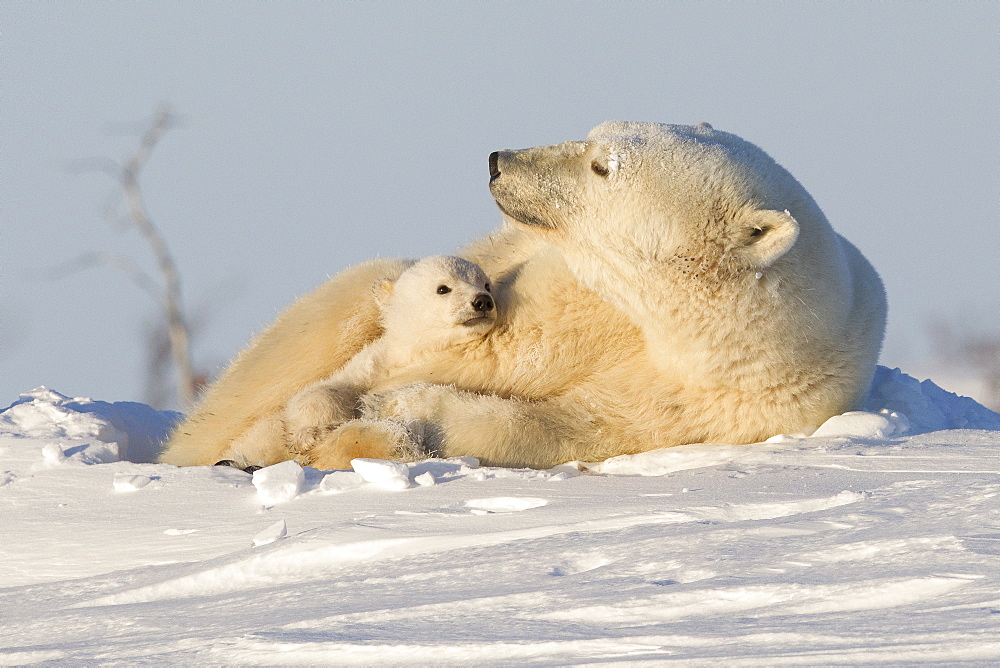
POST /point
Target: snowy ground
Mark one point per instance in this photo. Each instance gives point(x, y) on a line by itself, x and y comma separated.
point(877, 540)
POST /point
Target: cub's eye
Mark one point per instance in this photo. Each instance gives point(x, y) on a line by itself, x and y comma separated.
point(443, 289)
point(599, 169)
point(487, 286)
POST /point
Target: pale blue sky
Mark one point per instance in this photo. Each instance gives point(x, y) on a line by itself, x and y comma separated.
point(317, 135)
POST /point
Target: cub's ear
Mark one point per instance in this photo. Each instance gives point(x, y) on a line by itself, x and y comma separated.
point(382, 290)
point(765, 235)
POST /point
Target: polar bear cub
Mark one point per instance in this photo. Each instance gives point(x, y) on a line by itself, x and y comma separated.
point(437, 303)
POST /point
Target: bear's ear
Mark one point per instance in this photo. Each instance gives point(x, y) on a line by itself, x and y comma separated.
point(382, 290)
point(766, 235)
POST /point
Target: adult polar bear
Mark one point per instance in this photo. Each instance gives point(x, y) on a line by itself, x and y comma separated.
point(657, 284)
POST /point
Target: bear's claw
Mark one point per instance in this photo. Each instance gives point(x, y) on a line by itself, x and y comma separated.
point(229, 462)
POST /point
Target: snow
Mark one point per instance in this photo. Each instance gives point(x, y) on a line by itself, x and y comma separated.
point(130, 483)
point(276, 531)
point(614, 160)
point(876, 540)
point(279, 483)
point(390, 475)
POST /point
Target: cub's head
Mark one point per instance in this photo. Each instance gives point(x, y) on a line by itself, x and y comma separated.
point(639, 200)
point(439, 301)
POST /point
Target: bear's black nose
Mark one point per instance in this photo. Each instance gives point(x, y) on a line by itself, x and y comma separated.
point(483, 302)
point(494, 166)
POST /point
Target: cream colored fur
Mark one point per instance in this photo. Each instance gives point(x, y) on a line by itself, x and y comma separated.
point(437, 304)
point(313, 338)
point(657, 285)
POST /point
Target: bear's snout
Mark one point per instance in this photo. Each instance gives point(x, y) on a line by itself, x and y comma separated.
point(483, 302)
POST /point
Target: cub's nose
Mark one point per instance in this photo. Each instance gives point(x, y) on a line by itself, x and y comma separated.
point(494, 165)
point(483, 302)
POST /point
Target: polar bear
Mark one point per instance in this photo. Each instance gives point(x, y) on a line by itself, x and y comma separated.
point(658, 285)
point(435, 305)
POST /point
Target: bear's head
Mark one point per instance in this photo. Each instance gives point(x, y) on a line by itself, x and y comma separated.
point(437, 302)
point(636, 205)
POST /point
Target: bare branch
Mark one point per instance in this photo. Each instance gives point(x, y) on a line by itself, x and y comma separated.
point(102, 259)
point(134, 128)
point(177, 327)
point(169, 295)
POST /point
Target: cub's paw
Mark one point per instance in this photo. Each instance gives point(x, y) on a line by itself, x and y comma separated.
point(302, 441)
point(373, 439)
point(317, 410)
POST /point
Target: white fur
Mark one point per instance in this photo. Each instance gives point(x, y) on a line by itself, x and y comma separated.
point(430, 308)
point(657, 285)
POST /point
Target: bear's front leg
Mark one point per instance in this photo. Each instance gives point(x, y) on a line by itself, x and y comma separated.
point(497, 431)
point(315, 412)
point(263, 444)
point(373, 439)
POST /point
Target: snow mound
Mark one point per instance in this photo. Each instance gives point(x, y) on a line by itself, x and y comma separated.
point(123, 430)
point(279, 483)
point(391, 475)
point(928, 407)
point(864, 425)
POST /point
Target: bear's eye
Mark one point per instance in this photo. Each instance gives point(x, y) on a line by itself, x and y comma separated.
point(487, 286)
point(443, 289)
point(599, 169)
